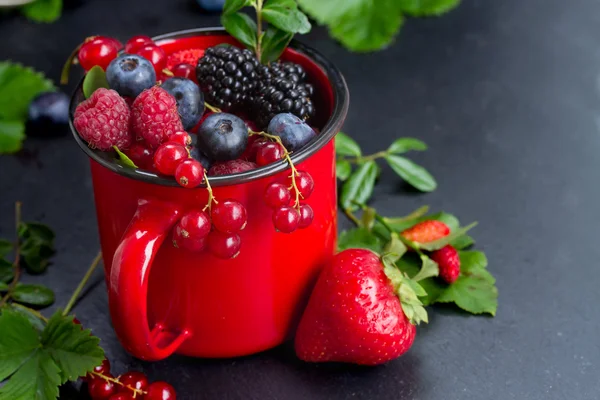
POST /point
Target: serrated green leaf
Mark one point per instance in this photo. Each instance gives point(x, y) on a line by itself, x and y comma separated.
point(7, 271)
point(346, 146)
point(6, 247)
point(359, 238)
point(34, 295)
point(37, 323)
point(18, 86)
point(40, 232)
point(403, 145)
point(273, 44)
point(462, 242)
point(37, 246)
point(37, 379)
point(18, 341)
point(438, 244)
point(43, 10)
point(359, 186)
point(232, 6)
point(395, 249)
point(413, 174)
point(12, 134)
point(123, 159)
point(94, 79)
point(286, 17)
point(428, 7)
point(411, 265)
point(73, 349)
point(475, 263)
point(343, 169)
point(473, 293)
point(429, 268)
point(241, 27)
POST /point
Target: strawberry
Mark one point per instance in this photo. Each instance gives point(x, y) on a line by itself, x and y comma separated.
point(448, 263)
point(358, 312)
point(427, 231)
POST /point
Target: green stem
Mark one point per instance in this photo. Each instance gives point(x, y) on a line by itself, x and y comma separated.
point(351, 216)
point(212, 108)
point(408, 243)
point(258, 7)
point(16, 263)
point(82, 284)
point(30, 310)
point(370, 157)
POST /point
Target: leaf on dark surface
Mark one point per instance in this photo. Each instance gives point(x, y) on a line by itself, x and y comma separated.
point(18, 86)
point(346, 146)
point(359, 238)
point(7, 271)
point(343, 169)
point(12, 134)
point(403, 145)
point(43, 10)
point(413, 174)
point(34, 295)
point(428, 7)
point(6, 247)
point(359, 186)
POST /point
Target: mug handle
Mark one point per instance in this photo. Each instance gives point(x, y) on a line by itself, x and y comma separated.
point(128, 284)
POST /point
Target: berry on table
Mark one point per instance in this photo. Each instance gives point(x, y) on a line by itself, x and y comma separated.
point(448, 263)
point(187, 56)
point(141, 156)
point(229, 216)
point(223, 136)
point(124, 395)
point(136, 43)
point(189, 173)
point(190, 101)
point(224, 245)
point(134, 379)
point(48, 114)
point(181, 137)
point(155, 55)
point(294, 132)
point(286, 219)
point(277, 195)
point(130, 75)
point(154, 116)
point(231, 167)
point(304, 183)
point(187, 71)
point(168, 156)
point(100, 389)
point(98, 50)
point(426, 231)
point(269, 153)
point(306, 216)
point(160, 391)
point(103, 120)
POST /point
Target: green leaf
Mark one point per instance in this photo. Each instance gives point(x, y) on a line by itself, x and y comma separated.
point(126, 161)
point(343, 169)
point(412, 173)
point(241, 27)
point(73, 349)
point(6, 246)
point(273, 44)
point(394, 249)
point(359, 187)
point(7, 272)
point(37, 323)
point(18, 86)
point(18, 341)
point(37, 246)
point(35, 230)
point(428, 7)
point(462, 242)
point(94, 79)
point(286, 17)
point(473, 293)
point(406, 144)
point(43, 10)
point(438, 244)
point(429, 268)
point(12, 134)
point(411, 265)
point(475, 262)
point(232, 6)
point(3, 286)
point(37, 379)
point(447, 218)
point(359, 238)
point(346, 146)
point(35, 295)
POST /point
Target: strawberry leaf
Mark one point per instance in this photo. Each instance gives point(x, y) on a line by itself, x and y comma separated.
point(343, 169)
point(359, 186)
point(473, 293)
point(429, 268)
point(12, 134)
point(462, 242)
point(428, 7)
point(359, 238)
point(346, 146)
point(43, 10)
point(394, 249)
point(38, 378)
point(18, 341)
point(18, 86)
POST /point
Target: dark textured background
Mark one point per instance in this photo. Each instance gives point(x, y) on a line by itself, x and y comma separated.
point(506, 93)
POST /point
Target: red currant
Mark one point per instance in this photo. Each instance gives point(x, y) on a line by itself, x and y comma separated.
point(126, 395)
point(168, 156)
point(155, 55)
point(286, 219)
point(160, 391)
point(277, 195)
point(304, 183)
point(183, 240)
point(196, 223)
point(185, 71)
point(269, 153)
point(181, 137)
point(224, 245)
point(189, 173)
point(103, 368)
point(306, 216)
point(116, 42)
point(99, 50)
point(140, 155)
point(136, 43)
point(254, 143)
point(135, 380)
point(229, 216)
point(100, 389)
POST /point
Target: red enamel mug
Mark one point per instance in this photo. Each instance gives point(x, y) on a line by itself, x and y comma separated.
point(165, 300)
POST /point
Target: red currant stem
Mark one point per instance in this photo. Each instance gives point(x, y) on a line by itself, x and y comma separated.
point(31, 311)
point(16, 264)
point(370, 157)
point(167, 72)
point(212, 108)
point(82, 284)
point(211, 197)
point(135, 391)
point(286, 156)
point(64, 75)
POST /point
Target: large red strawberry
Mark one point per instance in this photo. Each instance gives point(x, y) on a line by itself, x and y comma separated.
point(358, 311)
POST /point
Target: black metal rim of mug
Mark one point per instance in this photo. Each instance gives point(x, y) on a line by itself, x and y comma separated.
point(331, 128)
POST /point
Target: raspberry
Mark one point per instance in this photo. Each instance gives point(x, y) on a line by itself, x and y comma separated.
point(231, 167)
point(103, 120)
point(189, 56)
point(427, 231)
point(448, 262)
point(154, 116)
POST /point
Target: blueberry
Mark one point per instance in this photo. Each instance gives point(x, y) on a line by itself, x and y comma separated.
point(294, 132)
point(48, 114)
point(130, 75)
point(211, 5)
point(197, 155)
point(190, 100)
point(223, 136)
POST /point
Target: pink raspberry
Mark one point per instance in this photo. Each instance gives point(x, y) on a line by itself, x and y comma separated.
point(231, 167)
point(103, 120)
point(154, 116)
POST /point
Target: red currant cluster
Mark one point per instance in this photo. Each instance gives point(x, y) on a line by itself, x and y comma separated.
point(102, 385)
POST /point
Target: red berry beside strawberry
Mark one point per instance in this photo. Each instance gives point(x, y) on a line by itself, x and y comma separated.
point(427, 231)
point(448, 263)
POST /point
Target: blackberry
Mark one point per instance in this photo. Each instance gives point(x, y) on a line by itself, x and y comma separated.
point(227, 75)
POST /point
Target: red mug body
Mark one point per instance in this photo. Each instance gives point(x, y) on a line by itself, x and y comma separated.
point(165, 299)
